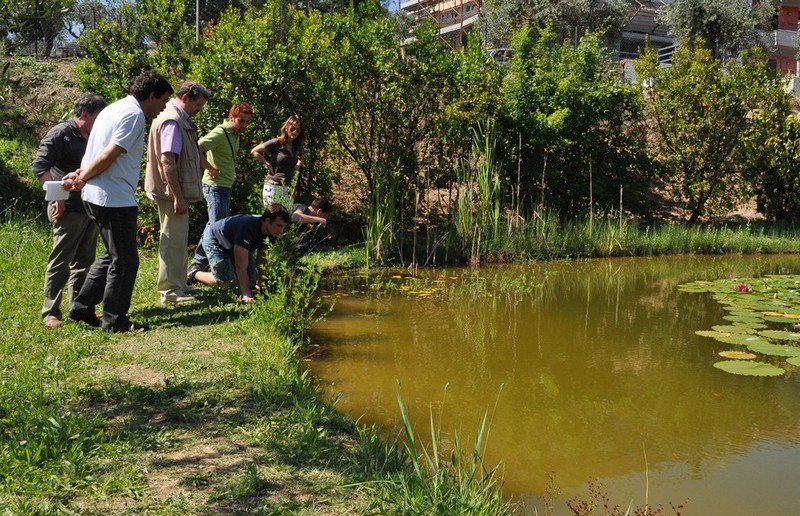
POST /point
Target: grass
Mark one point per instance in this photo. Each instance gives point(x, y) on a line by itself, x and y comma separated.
point(543, 237)
point(206, 413)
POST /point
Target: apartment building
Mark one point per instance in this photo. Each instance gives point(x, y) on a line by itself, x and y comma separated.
point(455, 18)
point(781, 43)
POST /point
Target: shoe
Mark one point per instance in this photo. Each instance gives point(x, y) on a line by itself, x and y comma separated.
point(174, 299)
point(86, 317)
point(191, 291)
point(191, 277)
point(51, 322)
point(130, 326)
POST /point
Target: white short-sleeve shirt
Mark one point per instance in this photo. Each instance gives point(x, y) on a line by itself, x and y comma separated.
point(121, 123)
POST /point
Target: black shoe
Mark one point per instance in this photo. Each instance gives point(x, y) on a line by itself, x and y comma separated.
point(191, 277)
point(128, 326)
point(87, 317)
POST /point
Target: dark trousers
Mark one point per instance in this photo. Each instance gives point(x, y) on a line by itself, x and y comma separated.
point(113, 274)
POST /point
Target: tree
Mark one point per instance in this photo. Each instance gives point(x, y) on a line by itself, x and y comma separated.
point(147, 34)
point(699, 114)
point(27, 22)
point(576, 123)
point(770, 155)
point(86, 14)
point(725, 26)
point(281, 65)
point(568, 19)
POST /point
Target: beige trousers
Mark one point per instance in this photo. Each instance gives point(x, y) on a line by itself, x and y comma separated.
point(172, 250)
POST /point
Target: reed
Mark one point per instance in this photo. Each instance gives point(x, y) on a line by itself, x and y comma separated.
point(429, 484)
point(477, 212)
point(379, 232)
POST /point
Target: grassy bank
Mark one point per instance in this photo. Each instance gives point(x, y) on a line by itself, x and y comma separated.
point(207, 413)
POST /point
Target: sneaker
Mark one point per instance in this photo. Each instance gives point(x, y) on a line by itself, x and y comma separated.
point(191, 277)
point(84, 316)
point(51, 322)
point(129, 326)
point(174, 299)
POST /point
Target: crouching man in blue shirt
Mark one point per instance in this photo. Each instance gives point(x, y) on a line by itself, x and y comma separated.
point(230, 243)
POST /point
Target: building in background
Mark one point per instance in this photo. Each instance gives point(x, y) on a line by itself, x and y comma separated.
point(455, 18)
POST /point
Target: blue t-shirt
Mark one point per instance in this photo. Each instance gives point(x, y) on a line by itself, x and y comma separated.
point(241, 230)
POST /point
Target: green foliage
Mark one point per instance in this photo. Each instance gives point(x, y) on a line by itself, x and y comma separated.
point(27, 21)
point(290, 302)
point(725, 26)
point(575, 122)
point(769, 158)
point(279, 63)
point(477, 210)
point(460, 485)
point(21, 196)
point(701, 115)
point(116, 52)
point(570, 19)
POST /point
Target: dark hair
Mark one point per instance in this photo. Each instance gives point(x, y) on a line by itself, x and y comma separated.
point(239, 108)
point(194, 90)
point(323, 204)
point(90, 103)
point(284, 133)
point(150, 82)
point(276, 211)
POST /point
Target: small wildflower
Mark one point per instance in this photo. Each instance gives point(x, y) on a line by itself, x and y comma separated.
point(743, 287)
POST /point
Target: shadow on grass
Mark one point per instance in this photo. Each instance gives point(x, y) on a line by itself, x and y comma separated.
point(224, 443)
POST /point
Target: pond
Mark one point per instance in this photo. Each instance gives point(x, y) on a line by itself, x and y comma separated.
point(591, 373)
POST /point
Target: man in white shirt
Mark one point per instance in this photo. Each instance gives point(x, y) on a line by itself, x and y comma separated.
point(108, 178)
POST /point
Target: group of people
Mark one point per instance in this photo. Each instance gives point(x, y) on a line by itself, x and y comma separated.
point(97, 157)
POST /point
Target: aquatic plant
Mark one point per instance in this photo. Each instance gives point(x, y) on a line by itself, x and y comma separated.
point(774, 300)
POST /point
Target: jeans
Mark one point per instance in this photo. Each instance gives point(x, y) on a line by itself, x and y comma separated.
point(218, 200)
point(221, 262)
point(112, 277)
point(74, 247)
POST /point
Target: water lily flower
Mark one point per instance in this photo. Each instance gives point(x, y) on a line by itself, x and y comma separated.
point(743, 287)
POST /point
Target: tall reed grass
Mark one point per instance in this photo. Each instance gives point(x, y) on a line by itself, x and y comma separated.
point(414, 479)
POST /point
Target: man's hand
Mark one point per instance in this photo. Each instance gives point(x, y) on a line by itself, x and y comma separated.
point(213, 172)
point(72, 181)
point(180, 206)
point(57, 209)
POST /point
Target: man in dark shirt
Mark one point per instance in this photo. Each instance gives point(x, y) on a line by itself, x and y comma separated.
point(230, 243)
point(74, 234)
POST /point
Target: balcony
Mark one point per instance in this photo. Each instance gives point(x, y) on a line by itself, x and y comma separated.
point(781, 42)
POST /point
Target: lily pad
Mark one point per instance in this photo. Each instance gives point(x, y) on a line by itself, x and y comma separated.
point(745, 368)
point(740, 339)
point(782, 314)
point(776, 319)
point(780, 335)
point(744, 319)
point(695, 289)
point(737, 355)
point(734, 328)
point(795, 361)
point(775, 350)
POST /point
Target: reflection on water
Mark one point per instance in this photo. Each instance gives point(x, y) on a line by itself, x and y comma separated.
point(589, 370)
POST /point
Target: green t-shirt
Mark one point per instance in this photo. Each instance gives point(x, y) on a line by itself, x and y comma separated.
point(221, 145)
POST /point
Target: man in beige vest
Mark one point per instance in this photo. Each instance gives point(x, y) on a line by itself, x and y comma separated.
point(173, 180)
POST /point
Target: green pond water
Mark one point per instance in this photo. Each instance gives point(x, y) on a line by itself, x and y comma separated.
point(590, 371)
